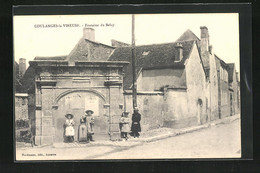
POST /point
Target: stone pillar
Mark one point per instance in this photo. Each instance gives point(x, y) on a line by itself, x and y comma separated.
point(116, 101)
point(44, 116)
point(38, 115)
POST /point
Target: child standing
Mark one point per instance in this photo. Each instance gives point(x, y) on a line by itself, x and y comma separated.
point(124, 123)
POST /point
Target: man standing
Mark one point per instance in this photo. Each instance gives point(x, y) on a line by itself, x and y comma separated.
point(90, 125)
point(88, 119)
point(136, 127)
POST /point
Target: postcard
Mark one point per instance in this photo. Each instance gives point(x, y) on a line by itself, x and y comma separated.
point(127, 86)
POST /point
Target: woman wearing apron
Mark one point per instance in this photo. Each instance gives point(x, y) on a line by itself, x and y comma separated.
point(69, 129)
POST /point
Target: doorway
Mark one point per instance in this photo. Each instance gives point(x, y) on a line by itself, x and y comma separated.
point(199, 111)
point(77, 103)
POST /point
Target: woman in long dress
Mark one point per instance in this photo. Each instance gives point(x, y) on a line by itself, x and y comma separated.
point(83, 131)
point(86, 129)
point(69, 128)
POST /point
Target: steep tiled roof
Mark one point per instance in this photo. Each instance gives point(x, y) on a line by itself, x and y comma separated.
point(28, 80)
point(222, 63)
point(188, 35)
point(116, 43)
point(151, 57)
point(87, 50)
point(230, 71)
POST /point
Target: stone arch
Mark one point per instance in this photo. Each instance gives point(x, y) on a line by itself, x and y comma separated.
point(60, 109)
point(97, 93)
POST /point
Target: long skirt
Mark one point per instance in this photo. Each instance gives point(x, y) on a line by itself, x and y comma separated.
point(82, 135)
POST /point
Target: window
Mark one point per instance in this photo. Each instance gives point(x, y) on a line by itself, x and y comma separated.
point(145, 53)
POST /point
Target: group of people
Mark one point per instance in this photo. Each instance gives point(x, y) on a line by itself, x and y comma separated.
point(124, 124)
point(86, 127)
point(85, 130)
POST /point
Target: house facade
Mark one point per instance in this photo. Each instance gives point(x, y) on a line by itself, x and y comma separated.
point(169, 93)
point(72, 84)
point(179, 84)
point(192, 85)
point(233, 90)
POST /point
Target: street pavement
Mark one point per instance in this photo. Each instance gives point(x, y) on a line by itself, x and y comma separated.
point(220, 141)
point(215, 140)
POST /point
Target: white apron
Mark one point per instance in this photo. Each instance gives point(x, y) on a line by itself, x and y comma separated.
point(69, 131)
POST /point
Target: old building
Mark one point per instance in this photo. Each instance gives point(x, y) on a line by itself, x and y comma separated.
point(72, 84)
point(209, 65)
point(179, 84)
point(21, 106)
point(223, 88)
point(169, 92)
point(21, 96)
point(233, 90)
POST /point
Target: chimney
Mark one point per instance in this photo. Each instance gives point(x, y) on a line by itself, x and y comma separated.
point(89, 33)
point(204, 35)
point(22, 66)
point(204, 32)
point(179, 52)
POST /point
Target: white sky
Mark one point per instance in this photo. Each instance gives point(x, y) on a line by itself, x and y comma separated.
point(149, 29)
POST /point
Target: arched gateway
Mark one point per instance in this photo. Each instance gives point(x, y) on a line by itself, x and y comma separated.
point(77, 102)
point(64, 87)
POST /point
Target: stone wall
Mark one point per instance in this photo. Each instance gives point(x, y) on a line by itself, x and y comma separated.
point(196, 79)
point(151, 106)
point(224, 99)
point(156, 79)
point(162, 109)
point(214, 111)
point(234, 86)
point(21, 106)
point(177, 113)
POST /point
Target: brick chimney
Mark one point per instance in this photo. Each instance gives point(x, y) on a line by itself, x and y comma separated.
point(204, 36)
point(179, 52)
point(22, 66)
point(89, 33)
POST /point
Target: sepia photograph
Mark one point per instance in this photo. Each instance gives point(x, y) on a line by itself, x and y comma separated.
point(126, 86)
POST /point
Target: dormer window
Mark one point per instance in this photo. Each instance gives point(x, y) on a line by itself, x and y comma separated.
point(179, 52)
point(145, 53)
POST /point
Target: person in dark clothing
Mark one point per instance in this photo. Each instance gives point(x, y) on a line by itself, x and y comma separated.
point(136, 127)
